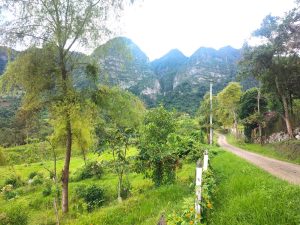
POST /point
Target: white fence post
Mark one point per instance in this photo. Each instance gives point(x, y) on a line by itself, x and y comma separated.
point(198, 189)
point(205, 161)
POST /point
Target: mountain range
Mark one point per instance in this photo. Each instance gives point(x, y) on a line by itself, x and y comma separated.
point(174, 80)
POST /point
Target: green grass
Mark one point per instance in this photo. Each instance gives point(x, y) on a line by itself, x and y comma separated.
point(287, 151)
point(246, 195)
point(145, 206)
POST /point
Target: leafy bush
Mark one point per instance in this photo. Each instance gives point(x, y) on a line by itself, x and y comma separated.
point(37, 179)
point(47, 189)
point(92, 195)
point(14, 180)
point(91, 169)
point(32, 175)
point(8, 192)
point(186, 215)
point(16, 215)
point(126, 189)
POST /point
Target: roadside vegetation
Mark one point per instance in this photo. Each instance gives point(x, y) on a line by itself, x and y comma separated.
point(248, 195)
point(286, 150)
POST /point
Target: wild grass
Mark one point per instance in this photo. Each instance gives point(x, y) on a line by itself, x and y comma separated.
point(144, 206)
point(286, 151)
point(246, 195)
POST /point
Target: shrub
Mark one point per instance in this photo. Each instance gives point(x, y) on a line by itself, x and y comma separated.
point(32, 175)
point(92, 195)
point(15, 181)
point(126, 189)
point(8, 192)
point(16, 215)
point(47, 189)
point(37, 179)
point(92, 169)
point(186, 216)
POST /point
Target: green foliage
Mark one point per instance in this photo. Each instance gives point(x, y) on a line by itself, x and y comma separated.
point(207, 193)
point(47, 189)
point(2, 157)
point(287, 150)
point(186, 216)
point(158, 157)
point(32, 174)
point(244, 188)
point(37, 179)
point(228, 103)
point(203, 114)
point(14, 180)
point(8, 192)
point(248, 111)
point(91, 169)
point(92, 195)
point(15, 215)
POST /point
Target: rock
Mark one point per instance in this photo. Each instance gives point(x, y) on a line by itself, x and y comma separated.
point(297, 136)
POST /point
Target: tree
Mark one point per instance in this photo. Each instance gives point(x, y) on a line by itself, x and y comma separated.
point(276, 63)
point(123, 113)
point(157, 157)
point(250, 111)
point(204, 113)
point(66, 24)
point(228, 102)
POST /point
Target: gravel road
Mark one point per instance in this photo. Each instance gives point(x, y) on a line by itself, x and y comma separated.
point(284, 170)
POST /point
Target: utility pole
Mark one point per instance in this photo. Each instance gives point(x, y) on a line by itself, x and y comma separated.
point(210, 116)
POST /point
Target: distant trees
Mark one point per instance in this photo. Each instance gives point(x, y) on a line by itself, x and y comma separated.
point(63, 24)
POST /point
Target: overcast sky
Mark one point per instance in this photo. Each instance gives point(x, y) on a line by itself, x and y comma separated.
point(158, 26)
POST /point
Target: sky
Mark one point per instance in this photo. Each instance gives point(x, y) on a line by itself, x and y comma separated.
point(157, 26)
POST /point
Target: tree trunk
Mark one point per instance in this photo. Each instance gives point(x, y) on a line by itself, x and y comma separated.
point(258, 111)
point(287, 117)
point(235, 125)
point(120, 187)
point(285, 108)
point(65, 175)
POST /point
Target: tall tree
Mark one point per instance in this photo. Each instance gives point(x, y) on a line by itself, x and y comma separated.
point(228, 103)
point(250, 111)
point(123, 113)
point(276, 63)
point(67, 24)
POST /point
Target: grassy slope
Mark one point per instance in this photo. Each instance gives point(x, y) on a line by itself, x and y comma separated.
point(271, 150)
point(146, 204)
point(247, 195)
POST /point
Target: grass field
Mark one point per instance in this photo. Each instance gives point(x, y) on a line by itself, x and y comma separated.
point(287, 151)
point(246, 195)
point(146, 203)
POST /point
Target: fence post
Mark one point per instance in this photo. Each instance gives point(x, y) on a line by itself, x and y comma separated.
point(205, 161)
point(198, 189)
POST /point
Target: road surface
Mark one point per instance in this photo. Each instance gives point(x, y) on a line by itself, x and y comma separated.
point(284, 170)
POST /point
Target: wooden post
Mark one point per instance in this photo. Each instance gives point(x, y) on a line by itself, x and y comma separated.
point(198, 189)
point(205, 161)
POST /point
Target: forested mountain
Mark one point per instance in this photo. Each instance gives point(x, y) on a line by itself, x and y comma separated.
point(174, 80)
point(186, 80)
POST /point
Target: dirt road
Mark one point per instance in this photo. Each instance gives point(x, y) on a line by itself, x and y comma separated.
point(284, 170)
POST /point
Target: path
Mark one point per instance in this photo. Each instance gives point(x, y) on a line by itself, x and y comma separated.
point(284, 170)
